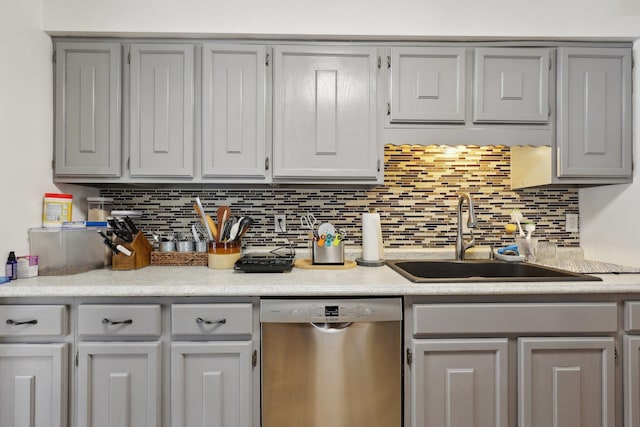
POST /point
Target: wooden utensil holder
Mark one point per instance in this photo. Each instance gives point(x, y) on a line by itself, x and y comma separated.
point(140, 254)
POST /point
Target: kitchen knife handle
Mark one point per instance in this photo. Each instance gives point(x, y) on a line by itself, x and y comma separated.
point(26, 322)
point(200, 320)
point(106, 321)
point(131, 225)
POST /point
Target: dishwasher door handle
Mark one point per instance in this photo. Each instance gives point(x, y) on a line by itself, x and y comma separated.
point(329, 326)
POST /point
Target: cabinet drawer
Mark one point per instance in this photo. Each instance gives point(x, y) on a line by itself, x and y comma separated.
point(514, 318)
point(28, 320)
point(632, 316)
point(211, 319)
point(119, 320)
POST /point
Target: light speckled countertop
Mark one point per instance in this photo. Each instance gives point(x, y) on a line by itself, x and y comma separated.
point(360, 281)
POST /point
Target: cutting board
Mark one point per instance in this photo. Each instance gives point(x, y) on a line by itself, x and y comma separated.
point(308, 264)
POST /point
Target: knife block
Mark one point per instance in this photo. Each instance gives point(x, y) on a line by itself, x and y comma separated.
point(140, 254)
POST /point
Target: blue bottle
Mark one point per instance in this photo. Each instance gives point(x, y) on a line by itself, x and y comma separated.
point(11, 270)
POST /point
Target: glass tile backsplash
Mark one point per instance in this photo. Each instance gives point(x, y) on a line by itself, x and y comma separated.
point(417, 203)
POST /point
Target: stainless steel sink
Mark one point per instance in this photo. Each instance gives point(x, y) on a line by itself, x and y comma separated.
point(424, 271)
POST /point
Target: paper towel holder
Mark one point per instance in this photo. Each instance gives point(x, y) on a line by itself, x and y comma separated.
point(373, 263)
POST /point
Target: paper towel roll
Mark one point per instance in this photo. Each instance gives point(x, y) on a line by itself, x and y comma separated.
point(372, 245)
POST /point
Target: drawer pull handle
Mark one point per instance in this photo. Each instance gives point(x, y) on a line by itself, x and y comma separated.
point(26, 322)
point(106, 321)
point(200, 320)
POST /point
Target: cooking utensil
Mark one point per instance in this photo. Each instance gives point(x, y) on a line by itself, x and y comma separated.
point(212, 227)
point(131, 225)
point(309, 221)
point(227, 229)
point(245, 223)
point(116, 249)
point(224, 213)
point(233, 231)
point(203, 217)
point(194, 232)
point(326, 228)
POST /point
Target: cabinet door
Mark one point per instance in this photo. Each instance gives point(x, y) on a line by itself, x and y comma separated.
point(594, 112)
point(161, 118)
point(511, 85)
point(632, 381)
point(211, 384)
point(428, 84)
point(87, 109)
point(119, 384)
point(566, 382)
point(459, 383)
point(233, 110)
point(33, 385)
point(324, 113)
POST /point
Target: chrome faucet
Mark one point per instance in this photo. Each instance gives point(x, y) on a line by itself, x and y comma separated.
point(461, 244)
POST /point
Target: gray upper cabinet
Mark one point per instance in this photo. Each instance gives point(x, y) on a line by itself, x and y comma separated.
point(594, 112)
point(324, 118)
point(233, 110)
point(428, 84)
point(87, 109)
point(161, 110)
point(511, 85)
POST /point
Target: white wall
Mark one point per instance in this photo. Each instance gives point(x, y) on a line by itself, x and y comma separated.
point(26, 128)
point(609, 229)
point(512, 18)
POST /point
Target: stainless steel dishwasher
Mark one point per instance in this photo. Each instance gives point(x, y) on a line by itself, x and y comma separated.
point(331, 362)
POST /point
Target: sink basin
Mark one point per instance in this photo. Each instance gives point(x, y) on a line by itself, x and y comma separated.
point(424, 271)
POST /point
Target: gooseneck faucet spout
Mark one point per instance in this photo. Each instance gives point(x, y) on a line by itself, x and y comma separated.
point(461, 244)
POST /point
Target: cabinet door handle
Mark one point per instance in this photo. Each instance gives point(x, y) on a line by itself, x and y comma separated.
point(106, 321)
point(200, 320)
point(26, 322)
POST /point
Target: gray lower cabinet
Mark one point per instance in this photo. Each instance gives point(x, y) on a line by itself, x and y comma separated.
point(119, 365)
point(234, 103)
point(87, 109)
point(324, 113)
point(632, 380)
point(594, 113)
point(211, 384)
point(495, 364)
point(213, 365)
point(459, 382)
point(34, 385)
point(567, 381)
point(34, 365)
point(631, 357)
point(161, 110)
point(119, 384)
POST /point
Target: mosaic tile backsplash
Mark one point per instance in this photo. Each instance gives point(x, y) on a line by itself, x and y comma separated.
point(417, 203)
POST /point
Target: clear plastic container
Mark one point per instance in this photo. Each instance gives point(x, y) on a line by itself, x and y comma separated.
point(66, 251)
point(99, 208)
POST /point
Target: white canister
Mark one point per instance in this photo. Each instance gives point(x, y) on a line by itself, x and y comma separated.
point(99, 208)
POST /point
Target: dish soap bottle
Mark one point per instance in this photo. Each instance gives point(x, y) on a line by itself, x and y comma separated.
point(11, 269)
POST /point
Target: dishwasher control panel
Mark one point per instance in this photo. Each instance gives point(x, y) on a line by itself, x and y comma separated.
point(334, 310)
